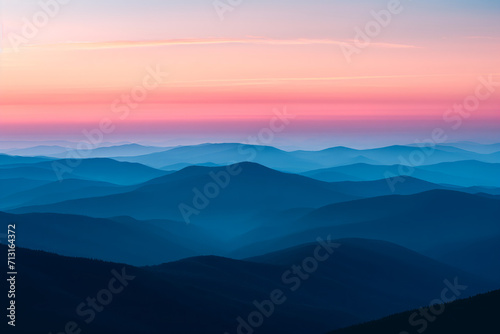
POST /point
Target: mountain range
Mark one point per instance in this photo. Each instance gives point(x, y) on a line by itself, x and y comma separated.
point(221, 233)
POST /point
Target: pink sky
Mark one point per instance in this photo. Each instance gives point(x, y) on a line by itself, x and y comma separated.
point(237, 70)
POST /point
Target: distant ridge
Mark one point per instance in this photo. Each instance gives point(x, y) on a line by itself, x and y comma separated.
point(6, 159)
point(451, 173)
point(98, 169)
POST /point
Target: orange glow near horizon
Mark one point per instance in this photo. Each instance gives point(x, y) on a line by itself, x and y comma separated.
point(233, 72)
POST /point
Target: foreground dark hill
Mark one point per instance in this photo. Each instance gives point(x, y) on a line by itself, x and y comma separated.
point(375, 256)
point(478, 314)
point(229, 201)
point(361, 282)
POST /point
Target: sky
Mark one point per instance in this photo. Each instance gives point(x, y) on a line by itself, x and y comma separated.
point(224, 72)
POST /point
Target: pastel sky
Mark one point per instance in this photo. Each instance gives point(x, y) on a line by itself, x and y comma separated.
point(225, 77)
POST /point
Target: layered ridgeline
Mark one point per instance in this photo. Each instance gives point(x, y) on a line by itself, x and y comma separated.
point(238, 231)
point(106, 170)
point(301, 161)
point(467, 173)
point(215, 196)
point(70, 151)
point(447, 235)
point(338, 283)
point(439, 223)
point(223, 193)
point(293, 161)
point(260, 210)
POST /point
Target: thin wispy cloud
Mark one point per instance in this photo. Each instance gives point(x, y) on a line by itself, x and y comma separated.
point(270, 81)
point(483, 37)
point(205, 41)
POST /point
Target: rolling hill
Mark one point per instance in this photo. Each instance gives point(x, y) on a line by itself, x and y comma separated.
point(477, 256)
point(14, 185)
point(300, 161)
point(454, 173)
point(6, 159)
point(39, 150)
point(483, 174)
point(118, 240)
point(420, 222)
point(123, 150)
point(390, 155)
point(256, 189)
point(476, 147)
point(208, 294)
point(58, 191)
point(477, 314)
point(224, 154)
point(105, 170)
point(254, 192)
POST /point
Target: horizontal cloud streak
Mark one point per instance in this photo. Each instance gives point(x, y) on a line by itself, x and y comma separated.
point(206, 41)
